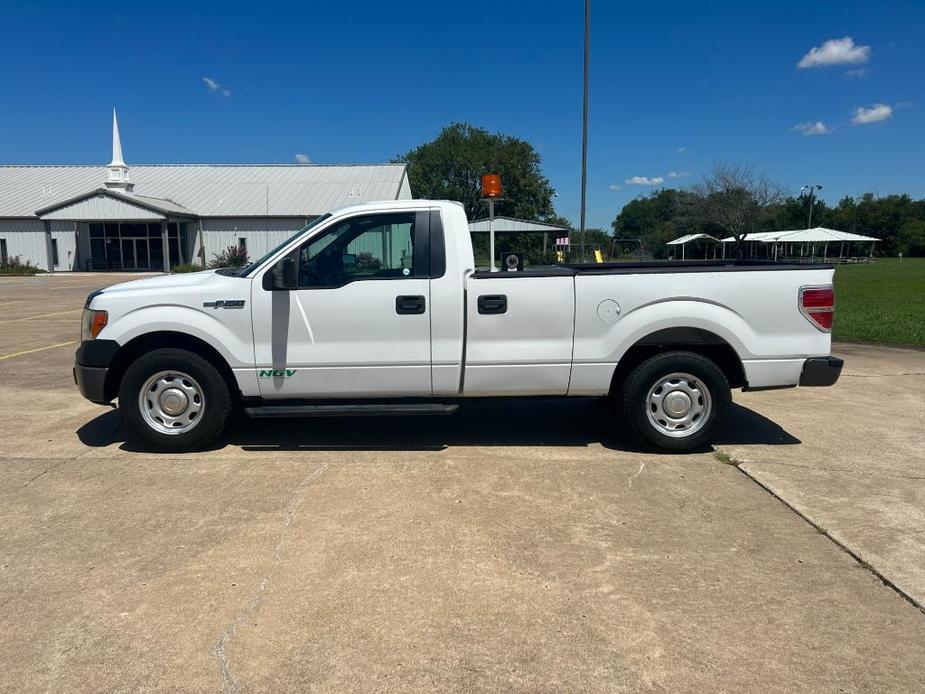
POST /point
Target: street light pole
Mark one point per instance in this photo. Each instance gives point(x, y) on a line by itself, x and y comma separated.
point(584, 127)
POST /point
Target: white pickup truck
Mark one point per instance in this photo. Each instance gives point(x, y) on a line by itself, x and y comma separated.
point(378, 309)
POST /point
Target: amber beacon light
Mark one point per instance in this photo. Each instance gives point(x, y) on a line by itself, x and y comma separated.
point(491, 186)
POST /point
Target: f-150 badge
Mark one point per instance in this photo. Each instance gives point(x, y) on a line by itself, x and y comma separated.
point(224, 303)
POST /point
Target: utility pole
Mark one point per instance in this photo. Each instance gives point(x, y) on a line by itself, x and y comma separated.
point(812, 196)
point(584, 127)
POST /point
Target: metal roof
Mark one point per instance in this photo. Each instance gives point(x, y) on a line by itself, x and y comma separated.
point(819, 235)
point(103, 204)
point(162, 204)
point(211, 190)
point(99, 207)
point(755, 236)
point(512, 224)
point(681, 240)
point(814, 235)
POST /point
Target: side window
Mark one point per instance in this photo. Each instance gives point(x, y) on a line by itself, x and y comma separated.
point(373, 247)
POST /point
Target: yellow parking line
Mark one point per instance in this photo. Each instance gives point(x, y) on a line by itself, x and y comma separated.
point(47, 315)
point(37, 349)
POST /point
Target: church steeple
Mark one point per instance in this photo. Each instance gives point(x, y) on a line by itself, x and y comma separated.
point(118, 171)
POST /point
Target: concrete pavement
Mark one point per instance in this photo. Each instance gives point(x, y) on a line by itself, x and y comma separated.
point(859, 471)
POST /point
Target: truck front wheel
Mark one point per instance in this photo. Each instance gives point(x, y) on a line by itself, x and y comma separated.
point(675, 401)
point(174, 400)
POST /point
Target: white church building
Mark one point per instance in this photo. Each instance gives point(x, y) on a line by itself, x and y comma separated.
point(117, 217)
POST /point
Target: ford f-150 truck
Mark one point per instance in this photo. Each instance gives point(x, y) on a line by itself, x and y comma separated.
point(378, 309)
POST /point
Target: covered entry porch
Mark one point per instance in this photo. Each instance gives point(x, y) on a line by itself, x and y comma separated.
point(132, 245)
point(124, 231)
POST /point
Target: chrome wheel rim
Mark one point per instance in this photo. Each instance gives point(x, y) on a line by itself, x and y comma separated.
point(171, 402)
point(678, 405)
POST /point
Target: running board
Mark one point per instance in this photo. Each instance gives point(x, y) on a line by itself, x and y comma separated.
point(378, 410)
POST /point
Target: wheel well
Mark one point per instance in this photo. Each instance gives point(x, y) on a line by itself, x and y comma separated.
point(702, 342)
point(142, 344)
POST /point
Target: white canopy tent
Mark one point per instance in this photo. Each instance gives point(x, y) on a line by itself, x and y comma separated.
point(682, 241)
point(784, 242)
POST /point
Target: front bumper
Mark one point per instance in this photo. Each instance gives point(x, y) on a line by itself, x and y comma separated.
point(821, 371)
point(91, 368)
point(91, 382)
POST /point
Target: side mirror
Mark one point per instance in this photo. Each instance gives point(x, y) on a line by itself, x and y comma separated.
point(285, 274)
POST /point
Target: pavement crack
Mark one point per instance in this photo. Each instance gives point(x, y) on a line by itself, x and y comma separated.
point(642, 467)
point(834, 540)
point(908, 373)
point(229, 682)
point(46, 471)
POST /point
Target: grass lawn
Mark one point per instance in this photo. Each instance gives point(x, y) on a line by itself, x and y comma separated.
point(881, 302)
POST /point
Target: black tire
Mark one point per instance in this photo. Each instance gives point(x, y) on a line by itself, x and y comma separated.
point(636, 405)
point(215, 397)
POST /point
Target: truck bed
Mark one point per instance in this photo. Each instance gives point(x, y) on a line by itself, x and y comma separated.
point(589, 316)
point(652, 267)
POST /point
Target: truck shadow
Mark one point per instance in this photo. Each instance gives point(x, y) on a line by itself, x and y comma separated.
point(574, 422)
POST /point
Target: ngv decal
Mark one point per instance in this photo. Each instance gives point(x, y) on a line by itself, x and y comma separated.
point(224, 303)
point(275, 373)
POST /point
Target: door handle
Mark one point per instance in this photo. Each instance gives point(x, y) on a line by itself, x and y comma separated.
point(409, 305)
point(492, 304)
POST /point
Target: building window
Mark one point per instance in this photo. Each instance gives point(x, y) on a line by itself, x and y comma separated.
point(136, 246)
point(3, 256)
point(54, 252)
point(242, 245)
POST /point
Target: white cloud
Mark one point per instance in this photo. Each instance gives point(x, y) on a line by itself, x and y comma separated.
point(812, 128)
point(678, 174)
point(871, 114)
point(215, 87)
point(302, 159)
point(681, 150)
point(615, 186)
point(835, 52)
point(645, 181)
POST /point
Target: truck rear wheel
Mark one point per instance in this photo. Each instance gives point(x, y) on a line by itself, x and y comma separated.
point(174, 400)
point(675, 401)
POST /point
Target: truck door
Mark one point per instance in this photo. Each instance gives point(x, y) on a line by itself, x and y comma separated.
point(518, 334)
point(359, 323)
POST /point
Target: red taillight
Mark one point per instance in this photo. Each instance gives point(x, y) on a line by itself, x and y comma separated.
point(818, 305)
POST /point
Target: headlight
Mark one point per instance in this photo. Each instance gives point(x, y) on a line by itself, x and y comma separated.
point(92, 322)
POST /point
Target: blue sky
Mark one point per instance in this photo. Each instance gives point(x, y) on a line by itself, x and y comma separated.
point(675, 86)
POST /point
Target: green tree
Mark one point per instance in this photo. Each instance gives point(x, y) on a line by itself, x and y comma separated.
point(654, 220)
point(451, 166)
point(911, 237)
point(844, 216)
point(884, 217)
point(897, 220)
point(793, 213)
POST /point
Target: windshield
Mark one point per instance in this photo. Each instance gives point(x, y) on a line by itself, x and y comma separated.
point(257, 263)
